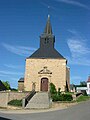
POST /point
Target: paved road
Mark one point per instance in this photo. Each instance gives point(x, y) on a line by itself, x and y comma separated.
point(77, 112)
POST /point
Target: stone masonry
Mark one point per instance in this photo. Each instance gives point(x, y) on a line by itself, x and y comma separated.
point(56, 66)
point(46, 65)
point(39, 100)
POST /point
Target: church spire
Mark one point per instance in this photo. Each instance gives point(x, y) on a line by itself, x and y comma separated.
point(48, 28)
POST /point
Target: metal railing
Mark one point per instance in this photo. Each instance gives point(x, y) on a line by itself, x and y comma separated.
point(27, 98)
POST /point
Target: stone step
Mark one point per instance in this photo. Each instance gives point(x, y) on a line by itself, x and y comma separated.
point(39, 100)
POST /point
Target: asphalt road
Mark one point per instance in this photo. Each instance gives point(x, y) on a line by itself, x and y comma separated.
point(77, 112)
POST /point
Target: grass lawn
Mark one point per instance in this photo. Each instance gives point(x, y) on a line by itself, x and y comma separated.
point(70, 93)
point(83, 98)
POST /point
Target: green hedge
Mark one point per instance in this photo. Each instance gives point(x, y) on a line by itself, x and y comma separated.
point(62, 97)
point(57, 95)
point(15, 102)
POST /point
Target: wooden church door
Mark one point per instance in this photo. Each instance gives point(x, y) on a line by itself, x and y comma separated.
point(44, 84)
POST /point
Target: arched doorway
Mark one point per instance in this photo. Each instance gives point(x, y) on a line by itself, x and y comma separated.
point(44, 84)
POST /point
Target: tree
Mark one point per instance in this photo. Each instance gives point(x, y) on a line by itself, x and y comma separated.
point(7, 85)
point(83, 83)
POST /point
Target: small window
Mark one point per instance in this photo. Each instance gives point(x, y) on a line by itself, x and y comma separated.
point(46, 40)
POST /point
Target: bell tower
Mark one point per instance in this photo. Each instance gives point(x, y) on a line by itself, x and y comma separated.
point(47, 39)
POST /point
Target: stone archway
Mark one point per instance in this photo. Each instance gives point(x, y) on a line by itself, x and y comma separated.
point(44, 84)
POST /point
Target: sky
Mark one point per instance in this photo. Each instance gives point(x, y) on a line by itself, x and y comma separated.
point(23, 21)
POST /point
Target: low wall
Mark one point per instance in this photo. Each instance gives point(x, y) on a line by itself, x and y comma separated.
point(76, 95)
point(16, 95)
point(5, 97)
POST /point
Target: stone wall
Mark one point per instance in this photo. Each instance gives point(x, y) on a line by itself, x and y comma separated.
point(5, 97)
point(56, 66)
point(20, 86)
point(16, 95)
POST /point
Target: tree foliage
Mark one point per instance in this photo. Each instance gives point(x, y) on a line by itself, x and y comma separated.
point(7, 85)
point(83, 83)
point(52, 88)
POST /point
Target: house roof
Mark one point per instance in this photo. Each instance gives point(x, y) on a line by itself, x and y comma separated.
point(21, 80)
point(2, 86)
point(88, 79)
point(72, 85)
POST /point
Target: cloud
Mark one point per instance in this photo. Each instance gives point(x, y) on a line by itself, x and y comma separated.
point(13, 79)
point(12, 66)
point(19, 50)
point(77, 48)
point(4, 72)
point(11, 76)
point(3, 75)
point(79, 61)
point(80, 53)
point(48, 6)
point(75, 3)
point(73, 32)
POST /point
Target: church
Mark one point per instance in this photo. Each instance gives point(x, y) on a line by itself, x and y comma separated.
point(46, 65)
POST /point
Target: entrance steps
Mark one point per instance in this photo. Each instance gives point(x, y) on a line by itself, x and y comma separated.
point(39, 100)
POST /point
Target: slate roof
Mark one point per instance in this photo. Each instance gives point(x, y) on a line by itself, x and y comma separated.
point(48, 28)
point(21, 80)
point(47, 51)
point(88, 79)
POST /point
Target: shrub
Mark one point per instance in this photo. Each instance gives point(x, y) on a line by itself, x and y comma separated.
point(52, 89)
point(66, 97)
point(15, 102)
point(62, 97)
point(55, 97)
point(59, 92)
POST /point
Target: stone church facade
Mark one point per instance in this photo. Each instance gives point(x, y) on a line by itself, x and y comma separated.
point(46, 65)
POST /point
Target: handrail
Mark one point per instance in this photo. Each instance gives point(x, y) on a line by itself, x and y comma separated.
point(27, 98)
